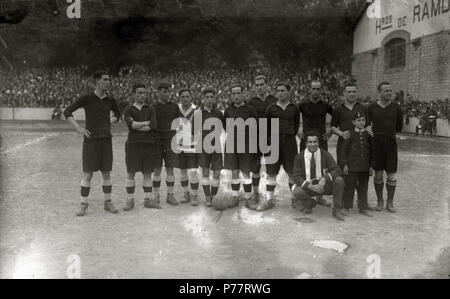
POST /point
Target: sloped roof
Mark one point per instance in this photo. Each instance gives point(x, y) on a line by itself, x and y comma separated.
point(361, 14)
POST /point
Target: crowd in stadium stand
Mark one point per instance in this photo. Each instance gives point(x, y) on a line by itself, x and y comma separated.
point(419, 108)
point(47, 87)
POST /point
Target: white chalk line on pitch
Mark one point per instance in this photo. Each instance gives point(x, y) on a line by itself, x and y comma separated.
point(34, 141)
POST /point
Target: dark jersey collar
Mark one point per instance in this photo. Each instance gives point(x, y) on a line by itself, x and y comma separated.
point(356, 104)
point(318, 102)
point(262, 100)
point(159, 102)
point(276, 104)
point(101, 98)
point(243, 105)
point(390, 103)
point(144, 105)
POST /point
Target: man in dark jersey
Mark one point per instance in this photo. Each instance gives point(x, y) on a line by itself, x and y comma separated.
point(140, 147)
point(210, 159)
point(97, 146)
point(288, 117)
point(314, 112)
point(259, 103)
point(314, 116)
point(342, 121)
point(385, 119)
point(240, 157)
point(166, 112)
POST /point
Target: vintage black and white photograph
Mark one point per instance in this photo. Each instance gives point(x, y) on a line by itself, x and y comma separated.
point(224, 139)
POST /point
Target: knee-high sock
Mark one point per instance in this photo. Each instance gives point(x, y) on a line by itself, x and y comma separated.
point(256, 178)
point(193, 178)
point(185, 185)
point(206, 185)
point(390, 187)
point(170, 182)
point(184, 180)
point(84, 192)
point(247, 188)
point(147, 186)
point(378, 184)
point(156, 183)
point(270, 187)
point(214, 187)
point(235, 185)
point(130, 187)
point(107, 189)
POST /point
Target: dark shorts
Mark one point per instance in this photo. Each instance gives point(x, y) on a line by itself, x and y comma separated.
point(323, 144)
point(385, 153)
point(187, 160)
point(211, 161)
point(97, 154)
point(140, 157)
point(244, 162)
point(288, 151)
point(166, 154)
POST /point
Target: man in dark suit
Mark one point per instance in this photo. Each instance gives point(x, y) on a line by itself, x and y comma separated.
point(317, 173)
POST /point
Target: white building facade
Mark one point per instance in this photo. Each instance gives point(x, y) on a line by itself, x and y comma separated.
point(405, 42)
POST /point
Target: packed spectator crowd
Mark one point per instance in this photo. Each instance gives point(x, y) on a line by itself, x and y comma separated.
point(418, 109)
point(50, 87)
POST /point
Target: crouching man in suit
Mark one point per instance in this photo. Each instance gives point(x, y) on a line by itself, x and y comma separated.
point(317, 173)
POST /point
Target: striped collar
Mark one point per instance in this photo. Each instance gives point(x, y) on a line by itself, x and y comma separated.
point(186, 112)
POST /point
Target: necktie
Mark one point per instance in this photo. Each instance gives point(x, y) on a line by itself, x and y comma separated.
point(313, 167)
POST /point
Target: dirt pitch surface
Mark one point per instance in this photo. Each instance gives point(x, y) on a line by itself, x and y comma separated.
point(40, 236)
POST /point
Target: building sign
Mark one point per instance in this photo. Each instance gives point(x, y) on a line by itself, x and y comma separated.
point(426, 11)
point(383, 24)
point(418, 17)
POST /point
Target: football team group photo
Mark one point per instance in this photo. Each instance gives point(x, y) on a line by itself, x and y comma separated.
point(162, 134)
point(224, 139)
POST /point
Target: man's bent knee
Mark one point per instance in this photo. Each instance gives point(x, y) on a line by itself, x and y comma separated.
point(339, 181)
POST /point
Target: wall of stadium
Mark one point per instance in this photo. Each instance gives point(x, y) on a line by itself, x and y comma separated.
point(34, 114)
point(443, 125)
point(425, 29)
